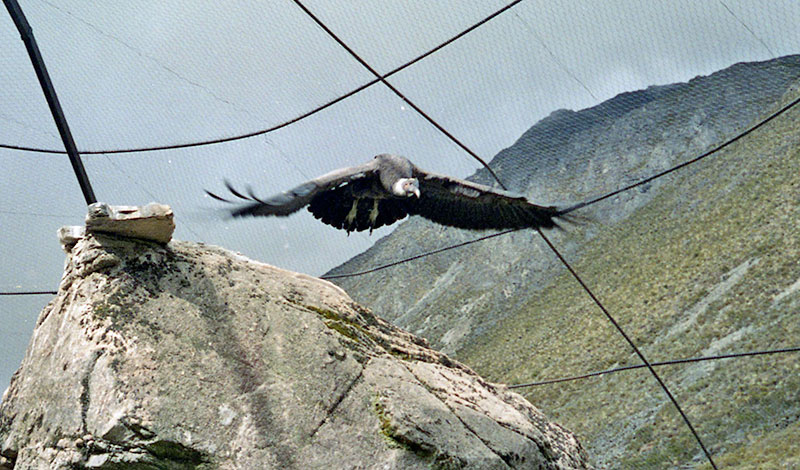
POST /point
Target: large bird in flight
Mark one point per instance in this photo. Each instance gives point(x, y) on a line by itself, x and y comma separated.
point(389, 187)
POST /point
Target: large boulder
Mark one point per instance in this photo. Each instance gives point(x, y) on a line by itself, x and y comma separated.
point(185, 356)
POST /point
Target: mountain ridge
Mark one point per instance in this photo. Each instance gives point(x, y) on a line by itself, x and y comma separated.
point(664, 277)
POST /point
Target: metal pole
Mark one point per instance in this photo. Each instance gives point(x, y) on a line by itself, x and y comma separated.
point(26, 33)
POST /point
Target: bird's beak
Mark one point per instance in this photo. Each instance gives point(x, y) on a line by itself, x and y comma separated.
point(416, 192)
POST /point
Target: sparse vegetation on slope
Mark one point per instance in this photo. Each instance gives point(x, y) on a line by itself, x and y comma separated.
point(705, 268)
point(702, 262)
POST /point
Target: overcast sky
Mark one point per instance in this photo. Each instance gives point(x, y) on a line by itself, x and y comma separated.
point(147, 73)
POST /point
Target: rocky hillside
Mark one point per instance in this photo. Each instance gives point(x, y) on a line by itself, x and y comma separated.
point(184, 356)
point(701, 262)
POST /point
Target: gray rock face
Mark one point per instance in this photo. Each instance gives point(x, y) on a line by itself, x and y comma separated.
point(185, 356)
point(149, 222)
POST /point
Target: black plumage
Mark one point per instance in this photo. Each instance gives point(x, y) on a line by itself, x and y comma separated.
point(389, 187)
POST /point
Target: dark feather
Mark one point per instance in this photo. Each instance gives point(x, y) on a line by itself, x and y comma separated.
point(333, 206)
point(234, 192)
point(218, 198)
point(464, 204)
point(298, 197)
point(346, 199)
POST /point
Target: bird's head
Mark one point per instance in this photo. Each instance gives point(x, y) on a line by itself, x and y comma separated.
point(406, 187)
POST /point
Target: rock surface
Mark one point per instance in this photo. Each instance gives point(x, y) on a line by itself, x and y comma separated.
point(185, 356)
point(150, 222)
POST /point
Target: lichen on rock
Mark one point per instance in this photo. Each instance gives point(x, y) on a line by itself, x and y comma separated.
point(186, 356)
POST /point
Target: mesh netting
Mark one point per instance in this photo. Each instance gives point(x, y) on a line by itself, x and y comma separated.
point(567, 102)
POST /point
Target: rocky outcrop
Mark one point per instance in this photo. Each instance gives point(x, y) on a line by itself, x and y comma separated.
point(185, 356)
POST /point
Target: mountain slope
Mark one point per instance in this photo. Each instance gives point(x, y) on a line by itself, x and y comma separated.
point(698, 263)
point(708, 267)
point(566, 158)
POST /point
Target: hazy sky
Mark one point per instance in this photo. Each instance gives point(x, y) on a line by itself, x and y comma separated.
point(145, 73)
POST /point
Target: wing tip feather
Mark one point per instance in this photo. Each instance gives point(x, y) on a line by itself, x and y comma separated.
point(218, 198)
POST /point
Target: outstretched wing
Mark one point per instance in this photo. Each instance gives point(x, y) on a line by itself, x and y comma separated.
point(294, 199)
point(464, 204)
